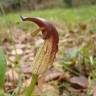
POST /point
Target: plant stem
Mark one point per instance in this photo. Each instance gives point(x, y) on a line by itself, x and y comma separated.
point(30, 89)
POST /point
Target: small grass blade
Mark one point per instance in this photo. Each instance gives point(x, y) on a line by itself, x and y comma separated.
point(2, 67)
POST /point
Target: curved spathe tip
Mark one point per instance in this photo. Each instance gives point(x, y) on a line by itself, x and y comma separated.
point(39, 21)
point(49, 31)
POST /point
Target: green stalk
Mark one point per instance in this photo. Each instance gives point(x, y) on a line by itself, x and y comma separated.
point(30, 89)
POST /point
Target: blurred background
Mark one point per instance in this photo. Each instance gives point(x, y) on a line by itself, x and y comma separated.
point(18, 5)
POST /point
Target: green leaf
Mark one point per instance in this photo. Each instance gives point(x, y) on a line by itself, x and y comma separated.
point(2, 67)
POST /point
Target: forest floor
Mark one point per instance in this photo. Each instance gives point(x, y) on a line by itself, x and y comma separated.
point(74, 69)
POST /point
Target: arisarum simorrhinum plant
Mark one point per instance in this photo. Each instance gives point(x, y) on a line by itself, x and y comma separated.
point(46, 54)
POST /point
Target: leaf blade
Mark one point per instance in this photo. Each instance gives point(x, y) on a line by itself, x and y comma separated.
point(2, 67)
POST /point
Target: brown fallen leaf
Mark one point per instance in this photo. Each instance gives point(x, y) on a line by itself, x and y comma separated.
point(94, 91)
point(11, 80)
point(53, 74)
point(80, 81)
point(93, 87)
point(26, 69)
point(49, 90)
point(11, 75)
point(50, 75)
